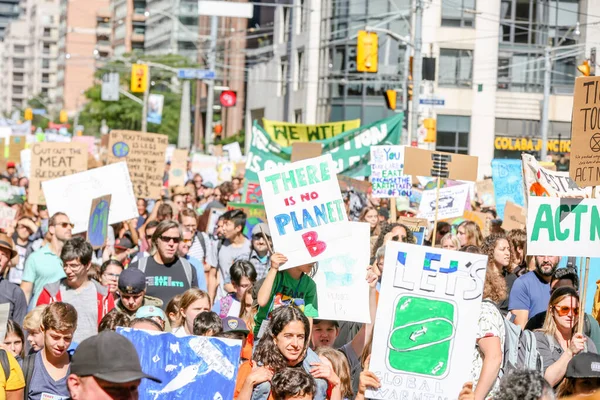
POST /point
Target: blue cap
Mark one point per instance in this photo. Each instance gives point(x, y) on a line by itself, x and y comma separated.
point(151, 311)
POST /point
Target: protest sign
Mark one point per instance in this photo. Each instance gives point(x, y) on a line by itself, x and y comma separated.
point(285, 133)
point(540, 181)
point(584, 166)
point(305, 210)
point(206, 166)
point(508, 183)
point(7, 216)
point(387, 179)
point(252, 193)
point(452, 201)
point(26, 162)
point(563, 227)
point(16, 144)
point(88, 140)
point(346, 183)
point(145, 157)
point(186, 366)
point(178, 168)
point(515, 217)
point(5, 191)
point(233, 151)
point(481, 219)
point(255, 214)
point(485, 192)
point(418, 227)
point(73, 194)
point(98, 221)
point(343, 292)
point(225, 171)
point(429, 306)
point(51, 161)
point(213, 218)
point(4, 313)
point(420, 162)
point(302, 151)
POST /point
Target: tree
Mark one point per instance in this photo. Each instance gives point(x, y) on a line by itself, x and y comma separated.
point(126, 113)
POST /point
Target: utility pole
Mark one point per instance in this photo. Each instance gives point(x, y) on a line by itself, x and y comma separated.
point(417, 70)
point(288, 105)
point(546, 102)
point(210, 94)
point(145, 103)
point(405, 92)
point(183, 139)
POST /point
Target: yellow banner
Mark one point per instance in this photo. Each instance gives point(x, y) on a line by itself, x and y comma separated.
point(285, 133)
point(523, 144)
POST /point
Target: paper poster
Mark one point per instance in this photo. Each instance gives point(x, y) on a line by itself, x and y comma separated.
point(5, 191)
point(7, 217)
point(418, 227)
point(387, 178)
point(88, 140)
point(285, 133)
point(206, 166)
point(155, 108)
point(186, 366)
point(26, 162)
point(540, 181)
point(211, 226)
point(515, 217)
point(225, 171)
point(252, 193)
point(305, 210)
point(234, 151)
point(508, 183)
point(98, 221)
point(74, 194)
point(485, 192)
point(4, 311)
point(255, 214)
point(144, 154)
point(584, 166)
point(563, 227)
point(178, 168)
point(343, 292)
point(429, 305)
point(51, 161)
point(451, 204)
point(420, 162)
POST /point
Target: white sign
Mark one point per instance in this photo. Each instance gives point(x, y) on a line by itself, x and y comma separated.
point(73, 194)
point(563, 227)
point(540, 181)
point(206, 166)
point(387, 165)
point(110, 87)
point(451, 203)
point(305, 210)
point(234, 151)
point(7, 216)
point(343, 292)
point(424, 337)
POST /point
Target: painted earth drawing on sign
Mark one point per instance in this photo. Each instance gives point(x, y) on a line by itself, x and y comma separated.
point(120, 149)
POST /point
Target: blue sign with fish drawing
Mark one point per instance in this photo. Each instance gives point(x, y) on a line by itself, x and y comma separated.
point(193, 367)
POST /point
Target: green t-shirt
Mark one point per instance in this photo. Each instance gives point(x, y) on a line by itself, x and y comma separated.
point(285, 288)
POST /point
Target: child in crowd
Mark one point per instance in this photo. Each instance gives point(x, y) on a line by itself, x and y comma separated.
point(193, 302)
point(32, 324)
point(293, 384)
point(14, 341)
point(207, 323)
point(243, 276)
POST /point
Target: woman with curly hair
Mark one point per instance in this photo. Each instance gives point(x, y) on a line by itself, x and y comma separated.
point(499, 252)
point(394, 232)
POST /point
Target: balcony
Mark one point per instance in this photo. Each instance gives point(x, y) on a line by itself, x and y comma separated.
point(102, 30)
point(137, 37)
point(104, 13)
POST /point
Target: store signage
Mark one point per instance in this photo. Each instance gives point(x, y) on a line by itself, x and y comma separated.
point(524, 144)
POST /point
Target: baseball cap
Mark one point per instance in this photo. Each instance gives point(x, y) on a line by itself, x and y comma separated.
point(110, 357)
point(10, 164)
point(234, 324)
point(584, 365)
point(124, 243)
point(257, 229)
point(132, 281)
point(149, 312)
point(208, 185)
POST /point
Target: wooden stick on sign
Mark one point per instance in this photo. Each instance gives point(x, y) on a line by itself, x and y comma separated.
point(437, 202)
point(266, 240)
point(580, 322)
point(393, 210)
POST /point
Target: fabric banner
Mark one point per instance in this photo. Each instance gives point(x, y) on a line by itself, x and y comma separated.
point(540, 181)
point(285, 133)
point(387, 164)
point(508, 183)
point(451, 204)
point(429, 306)
point(187, 366)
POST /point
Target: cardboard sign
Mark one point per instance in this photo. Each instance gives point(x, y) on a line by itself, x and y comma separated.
point(98, 221)
point(7, 216)
point(305, 210)
point(343, 292)
point(418, 227)
point(178, 169)
point(286, 133)
point(481, 219)
point(540, 181)
point(186, 366)
point(51, 161)
point(563, 227)
point(346, 183)
point(26, 162)
point(88, 140)
point(16, 144)
point(429, 306)
point(451, 203)
point(584, 166)
point(485, 191)
point(387, 178)
point(420, 162)
point(302, 151)
point(508, 183)
point(515, 217)
point(74, 194)
point(144, 154)
point(255, 214)
point(233, 151)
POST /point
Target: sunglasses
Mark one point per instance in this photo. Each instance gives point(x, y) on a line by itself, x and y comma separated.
point(167, 239)
point(563, 311)
point(148, 237)
point(65, 225)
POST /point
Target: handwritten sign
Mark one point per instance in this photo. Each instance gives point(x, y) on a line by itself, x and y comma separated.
point(508, 183)
point(387, 178)
point(145, 157)
point(206, 166)
point(343, 292)
point(98, 222)
point(584, 167)
point(7, 216)
point(178, 169)
point(90, 141)
point(51, 161)
point(255, 214)
point(285, 133)
point(429, 305)
point(541, 181)
point(305, 210)
point(234, 152)
point(16, 144)
point(452, 202)
point(515, 217)
point(420, 162)
point(485, 191)
point(252, 193)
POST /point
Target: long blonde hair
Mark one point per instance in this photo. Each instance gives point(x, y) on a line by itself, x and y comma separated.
point(187, 298)
point(557, 296)
point(248, 317)
point(340, 367)
point(474, 236)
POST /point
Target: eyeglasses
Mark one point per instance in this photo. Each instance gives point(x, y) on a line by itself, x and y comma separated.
point(167, 239)
point(187, 241)
point(563, 311)
point(65, 225)
point(73, 267)
point(112, 276)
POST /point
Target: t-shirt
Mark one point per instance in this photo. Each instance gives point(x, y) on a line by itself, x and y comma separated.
point(228, 254)
point(85, 301)
point(288, 290)
point(41, 268)
point(531, 293)
point(15, 381)
point(42, 386)
point(199, 267)
point(166, 281)
point(196, 250)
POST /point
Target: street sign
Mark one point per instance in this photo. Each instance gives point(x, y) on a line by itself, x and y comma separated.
point(110, 87)
point(190, 73)
point(432, 101)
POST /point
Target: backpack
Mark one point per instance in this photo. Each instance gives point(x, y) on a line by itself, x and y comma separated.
point(28, 365)
point(187, 267)
point(5, 364)
point(200, 237)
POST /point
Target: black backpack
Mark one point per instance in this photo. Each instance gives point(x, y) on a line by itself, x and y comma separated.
point(5, 364)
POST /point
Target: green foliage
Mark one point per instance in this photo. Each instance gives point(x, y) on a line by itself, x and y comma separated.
point(239, 137)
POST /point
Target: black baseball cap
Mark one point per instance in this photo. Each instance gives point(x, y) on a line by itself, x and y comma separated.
point(584, 365)
point(234, 324)
point(132, 281)
point(110, 357)
point(124, 243)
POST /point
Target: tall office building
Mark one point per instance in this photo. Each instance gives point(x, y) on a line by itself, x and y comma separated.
point(172, 28)
point(9, 10)
point(128, 25)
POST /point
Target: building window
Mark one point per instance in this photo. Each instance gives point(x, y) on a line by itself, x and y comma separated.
point(45, 78)
point(458, 13)
point(17, 89)
point(303, 15)
point(47, 32)
point(18, 77)
point(45, 63)
point(456, 68)
point(18, 62)
point(453, 134)
point(19, 48)
point(282, 77)
point(298, 116)
point(521, 72)
point(46, 49)
point(286, 24)
point(300, 74)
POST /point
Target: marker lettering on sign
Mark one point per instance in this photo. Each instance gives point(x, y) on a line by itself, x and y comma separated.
point(312, 217)
point(550, 221)
point(299, 177)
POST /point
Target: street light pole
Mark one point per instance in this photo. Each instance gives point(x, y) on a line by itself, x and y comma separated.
point(145, 103)
point(417, 70)
point(210, 94)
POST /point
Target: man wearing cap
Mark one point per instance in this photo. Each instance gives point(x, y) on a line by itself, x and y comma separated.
point(23, 245)
point(132, 287)
point(9, 292)
point(582, 376)
point(156, 314)
point(124, 249)
point(105, 367)
point(259, 256)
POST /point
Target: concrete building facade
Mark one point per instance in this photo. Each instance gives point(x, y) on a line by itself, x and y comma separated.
point(9, 11)
point(128, 26)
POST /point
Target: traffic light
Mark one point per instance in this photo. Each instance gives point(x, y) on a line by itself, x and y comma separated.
point(63, 118)
point(366, 52)
point(410, 88)
point(390, 98)
point(584, 68)
point(139, 78)
point(228, 98)
point(28, 114)
point(430, 125)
